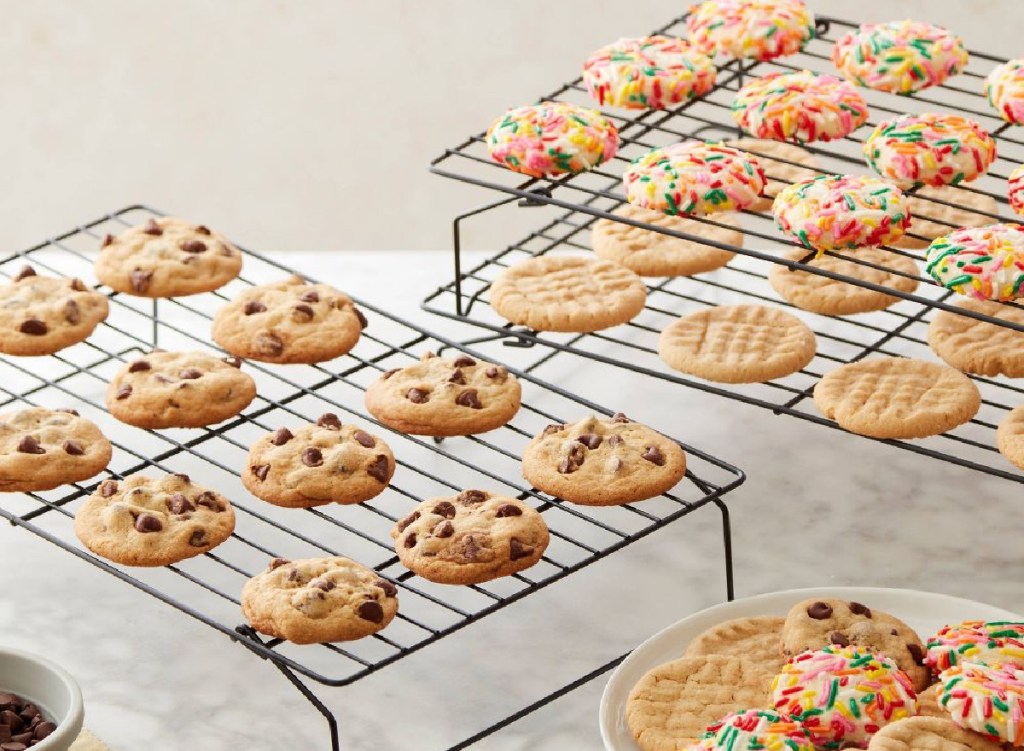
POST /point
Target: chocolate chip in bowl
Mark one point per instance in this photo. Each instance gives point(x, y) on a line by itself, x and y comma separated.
point(40, 704)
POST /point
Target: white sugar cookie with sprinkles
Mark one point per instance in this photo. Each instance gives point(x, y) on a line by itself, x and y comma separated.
point(929, 149)
point(758, 29)
point(976, 641)
point(1004, 88)
point(899, 56)
point(801, 107)
point(650, 72)
point(842, 211)
point(552, 138)
point(755, 730)
point(988, 699)
point(1015, 190)
point(986, 263)
point(694, 178)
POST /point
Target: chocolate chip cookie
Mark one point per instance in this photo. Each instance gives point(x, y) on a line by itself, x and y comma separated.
point(470, 538)
point(179, 390)
point(40, 315)
point(317, 600)
point(167, 257)
point(43, 448)
point(289, 322)
point(142, 521)
point(603, 462)
point(439, 396)
point(813, 624)
point(316, 464)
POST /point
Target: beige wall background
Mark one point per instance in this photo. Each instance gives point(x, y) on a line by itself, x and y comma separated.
point(305, 123)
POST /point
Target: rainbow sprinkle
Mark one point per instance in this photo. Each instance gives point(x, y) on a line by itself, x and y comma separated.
point(1004, 87)
point(694, 178)
point(761, 29)
point(801, 107)
point(982, 262)
point(552, 138)
point(755, 730)
point(976, 641)
point(988, 699)
point(929, 149)
point(652, 72)
point(842, 696)
point(842, 211)
point(899, 56)
point(1015, 189)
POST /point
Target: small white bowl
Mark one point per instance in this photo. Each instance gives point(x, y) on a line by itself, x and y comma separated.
point(48, 686)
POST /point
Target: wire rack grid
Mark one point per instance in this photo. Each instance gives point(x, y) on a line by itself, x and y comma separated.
point(578, 201)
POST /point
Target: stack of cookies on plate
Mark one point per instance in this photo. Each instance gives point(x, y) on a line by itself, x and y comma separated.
point(835, 674)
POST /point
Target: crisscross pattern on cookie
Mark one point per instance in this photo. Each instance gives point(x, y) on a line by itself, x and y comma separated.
point(975, 346)
point(1010, 437)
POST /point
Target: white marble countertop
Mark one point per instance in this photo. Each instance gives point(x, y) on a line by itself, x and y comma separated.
point(820, 507)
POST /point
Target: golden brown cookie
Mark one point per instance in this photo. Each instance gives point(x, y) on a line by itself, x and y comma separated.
point(41, 449)
point(1010, 437)
point(928, 703)
point(929, 734)
point(650, 253)
point(930, 219)
point(737, 344)
point(780, 174)
point(979, 347)
point(820, 294)
point(757, 639)
point(567, 293)
point(896, 397)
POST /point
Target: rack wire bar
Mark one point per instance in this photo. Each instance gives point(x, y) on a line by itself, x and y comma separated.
point(207, 587)
point(573, 203)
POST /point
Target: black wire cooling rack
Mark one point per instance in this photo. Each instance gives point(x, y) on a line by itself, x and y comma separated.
point(207, 588)
point(577, 201)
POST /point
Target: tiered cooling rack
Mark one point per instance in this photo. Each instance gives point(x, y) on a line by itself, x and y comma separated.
point(208, 587)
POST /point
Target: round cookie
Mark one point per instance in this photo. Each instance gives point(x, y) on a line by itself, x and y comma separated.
point(988, 699)
point(803, 106)
point(470, 538)
point(986, 263)
point(438, 396)
point(316, 464)
point(758, 639)
point(843, 696)
point(1004, 89)
point(933, 219)
point(783, 164)
point(40, 315)
point(974, 346)
point(179, 390)
point(929, 149)
point(41, 449)
point(567, 293)
point(896, 397)
point(976, 641)
point(167, 257)
point(606, 462)
point(1010, 437)
point(650, 72)
point(820, 294)
point(928, 734)
point(694, 178)
point(758, 29)
point(928, 703)
point(673, 704)
point(552, 138)
point(899, 56)
point(649, 253)
point(813, 624)
point(289, 322)
point(737, 344)
point(317, 600)
point(842, 211)
point(755, 730)
point(141, 521)
point(1015, 189)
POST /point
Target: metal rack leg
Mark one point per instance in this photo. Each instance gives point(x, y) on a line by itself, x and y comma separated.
point(730, 593)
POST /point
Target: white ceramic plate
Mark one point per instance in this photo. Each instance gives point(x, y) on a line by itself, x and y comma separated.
point(925, 612)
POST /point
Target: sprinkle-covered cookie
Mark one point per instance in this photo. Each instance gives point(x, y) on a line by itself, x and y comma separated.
point(552, 138)
point(1004, 88)
point(988, 699)
point(801, 107)
point(986, 263)
point(41, 449)
point(755, 730)
point(758, 29)
point(40, 315)
point(979, 347)
point(899, 56)
point(470, 538)
point(439, 396)
point(929, 733)
point(316, 600)
point(1010, 437)
point(976, 641)
point(758, 639)
point(783, 164)
point(1015, 189)
point(289, 322)
point(326, 462)
point(179, 390)
point(603, 462)
point(167, 257)
point(142, 521)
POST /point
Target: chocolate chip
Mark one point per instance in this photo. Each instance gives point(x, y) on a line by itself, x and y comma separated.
point(233, 361)
point(654, 456)
point(72, 447)
point(619, 417)
point(208, 499)
point(44, 729)
point(67, 410)
point(107, 239)
point(402, 524)
point(139, 365)
point(72, 314)
point(253, 306)
point(464, 362)
point(281, 436)
point(190, 374)
point(517, 549)
point(140, 280)
point(330, 421)
point(312, 457)
point(325, 585)
point(445, 509)
point(837, 638)
point(193, 246)
point(390, 590)
point(261, 471)
point(183, 477)
point(378, 468)
point(471, 497)
point(29, 445)
point(614, 440)
point(417, 396)
point(410, 540)
point(277, 563)
point(590, 440)
point(468, 398)
point(364, 439)
point(819, 611)
point(269, 344)
point(894, 632)
point(148, 523)
point(371, 611)
point(494, 372)
point(857, 609)
point(12, 745)
point(108, 488)
point(552, 429)
point(444, 529)
point(33, 327)
point(179, 504)
point(457, 377)
point(198, 539)
point(567, 466)
point(302, 313)
point(917, 653)
point(363, 323)
point(26, 271)
point(152, 228)
point(310, 296)
point(293, 575)
point(201, 229)
point(77, 285)
point(577, 454)
point(508, 509)
point(388, 373)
